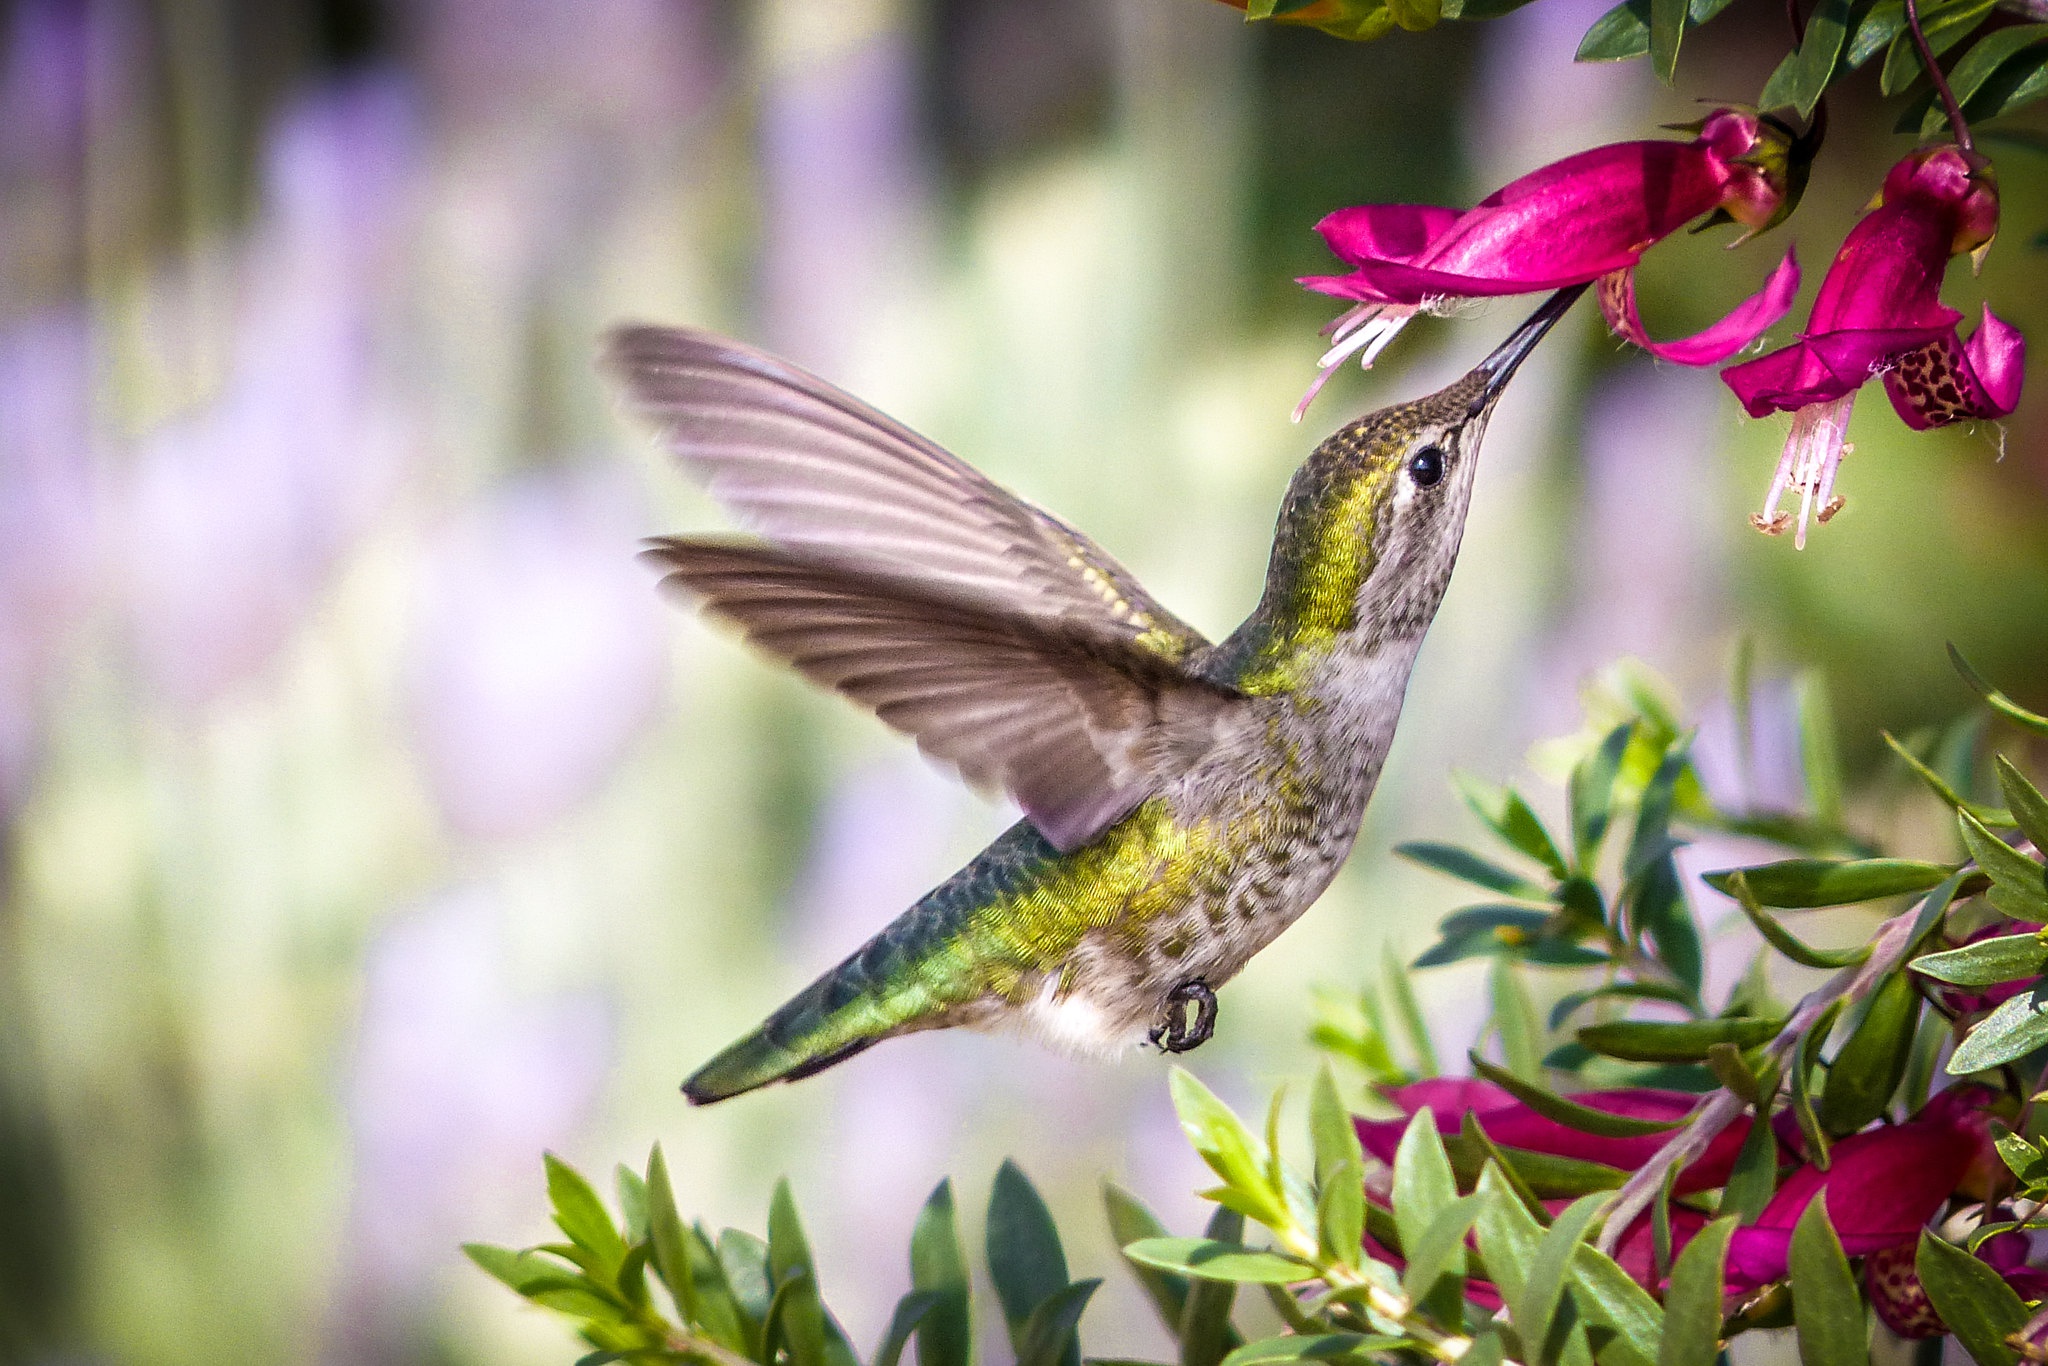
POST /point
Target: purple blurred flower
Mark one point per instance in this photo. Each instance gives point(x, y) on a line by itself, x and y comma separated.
point(1880, 312)
point(539, 649)
point(457, 1084)
point(1588, 217)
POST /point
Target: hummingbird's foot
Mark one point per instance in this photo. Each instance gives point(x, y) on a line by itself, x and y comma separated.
point(1183, 1029)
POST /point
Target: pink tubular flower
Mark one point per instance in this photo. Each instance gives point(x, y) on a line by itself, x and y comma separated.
point(1880, 312)
point(1511, 1124)
point(1588, 217)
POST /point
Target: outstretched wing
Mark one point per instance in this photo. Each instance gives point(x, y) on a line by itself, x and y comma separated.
point(1075, 721)
point(815, 470)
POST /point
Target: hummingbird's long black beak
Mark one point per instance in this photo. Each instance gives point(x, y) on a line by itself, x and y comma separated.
point(1499, 367)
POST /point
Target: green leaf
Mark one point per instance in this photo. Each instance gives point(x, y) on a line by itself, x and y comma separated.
point(1997, 700)
point(1755, 1173)
point(1942, 788)
point(1570, 1002)
point(1423, 1183)
point(2019, 886)
point(1611, 1298)
point(581, 1215)
point(1944, 28)
point(1025, 1259)
point(1658, 907)
point(1227, 1146)
point(945, 1333)
point(812, 1338)
point(1467, 866)
point(1345, 1347)
point(2015, 1029)
point(1205, 1332)
point(1590, 789)
point(1803, 884)
point(1515, 1018)
point(1869, 1067)
point(632, 1202)
point(1130, 1222)
point(2008, 958)
point(743, 1264)
point(1820, 762)
point(1340, 1173)
point(1827, 1304)
point(2029, 808)
point(1675, 1041)
point(1567, 1112)
point(1048, 1337)
point(1543, 1175)
point(911, 1312)
point(1692, 1301)
point(1618, 35)
point(1667, 27)
point(1798, 83)
point(1551, 1267)
point(1972, 1299)
point(1804, 1056)
point(665, 1231)
point(1508, 1234)
point(516, 1269)
point(1512, 818)
point(1440, 1249)
point(1409, 1012)
point(1783, 940)
point(1880, 25)
point(1209, 1260)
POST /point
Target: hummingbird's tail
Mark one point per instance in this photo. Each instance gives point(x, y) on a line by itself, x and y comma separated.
point(903, 979)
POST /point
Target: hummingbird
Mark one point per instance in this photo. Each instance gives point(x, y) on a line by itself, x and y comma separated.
point(1183, 801)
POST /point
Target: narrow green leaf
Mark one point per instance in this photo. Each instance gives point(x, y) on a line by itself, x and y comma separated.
point(632, 1202)
point(1423, 1183)
point(1205, 1332)
point(1440, 1250)
point(812, 1338)
point(1972, 1299)
point(1508, 1234)
point(1590, 790)
point(1409, 1012)
point(1544, 1175)
point(1571, 1002)
point(743, 1266)
point(1048, 1337)
point(2019, 886)
point(1820, 762)
point(1332, 1128)
point(1755, 1173)
point(1802, 884)
point(1611, 1298)
point(1782, 939)
point(2007, 958)
point(2015, 1029)
point(1675, 1041)
point(1869, 1067)
point(518, 1270)
point(671, 1246)
point(1343, 1347)
point(1467, 866)
point(1667, 27)
point(1618, 35)
point(1227, 1146)
point(581, 1215)
point(1657, 905)
point(1882, 23)
point(1473, 1135)
point(2029, 808)
point(1208, 1260)
point(911, 1312)
point(1942, 788)
point(1551, 1266)
point(1129, 1222)
point(1510, 817)
point(1827, 1304)
point(1487, 1350)
point(1804, 1058)
point(1650, 842)
point(1997, 700)
point(1515, 1019)
point(1025, 1259)
point(945, 1333)
point(1692, 1301)
point(1568, 1112)
point(1944, 28)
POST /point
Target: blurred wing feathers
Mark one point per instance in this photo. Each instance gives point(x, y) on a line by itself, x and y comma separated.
point(814, 469)
point(1077, 724)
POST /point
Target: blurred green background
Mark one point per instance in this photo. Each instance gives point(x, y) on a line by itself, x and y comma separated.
point(369, 823)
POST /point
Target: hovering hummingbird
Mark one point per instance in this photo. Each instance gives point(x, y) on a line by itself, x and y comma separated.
point(1183, 801)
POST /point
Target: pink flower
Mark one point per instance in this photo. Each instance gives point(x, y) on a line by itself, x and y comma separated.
point(1882, 1186)
point(1880, 312)
point(1511, 1124)
point(1588, 217)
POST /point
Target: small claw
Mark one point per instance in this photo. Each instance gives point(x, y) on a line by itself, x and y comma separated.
point(1179, 1033)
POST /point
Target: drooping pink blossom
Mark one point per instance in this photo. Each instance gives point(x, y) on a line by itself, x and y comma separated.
point(1588, 217)
point(1879, 312)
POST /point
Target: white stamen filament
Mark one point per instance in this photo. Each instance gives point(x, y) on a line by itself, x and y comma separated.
point(1813, 453)
point(1365, 332)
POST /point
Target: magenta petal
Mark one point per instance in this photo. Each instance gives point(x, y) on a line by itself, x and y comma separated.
point(1820, 369)
point(1947, 380)
point(1447, 1098)
point(1998, 355)
point(1385, 232)
point(1742, 326)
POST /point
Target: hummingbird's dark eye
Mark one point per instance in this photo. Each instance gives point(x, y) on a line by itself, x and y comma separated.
point(1426, 466)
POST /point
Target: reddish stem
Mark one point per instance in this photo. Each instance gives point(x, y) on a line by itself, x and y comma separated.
point(1934, 73)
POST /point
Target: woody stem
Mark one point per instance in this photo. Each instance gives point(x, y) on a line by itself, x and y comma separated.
point(1934, 74)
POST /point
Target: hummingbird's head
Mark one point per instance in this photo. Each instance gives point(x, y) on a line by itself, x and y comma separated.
point(1371, 527)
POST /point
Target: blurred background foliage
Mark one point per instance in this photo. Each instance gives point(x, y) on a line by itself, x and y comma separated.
point(370, 825)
